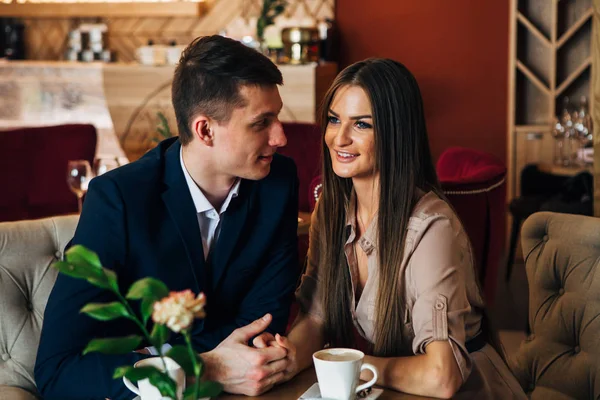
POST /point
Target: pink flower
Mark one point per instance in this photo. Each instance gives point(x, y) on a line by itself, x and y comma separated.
point(179, 309)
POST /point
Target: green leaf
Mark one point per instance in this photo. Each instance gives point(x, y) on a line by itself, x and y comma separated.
point(83, 263)
point(147, 288)
point(77, 271)
point(146, 308)
point(159, 335)
point(83, 256)
point(163, 382)
point(134, 374)
point(106, 311)
point(163, 127)
point(121, 345)
point(166, 386)
point(122, 371)
point(180, 354)
point(111, 277)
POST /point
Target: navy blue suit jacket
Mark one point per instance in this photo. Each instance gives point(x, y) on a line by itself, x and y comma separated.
point(142, 222)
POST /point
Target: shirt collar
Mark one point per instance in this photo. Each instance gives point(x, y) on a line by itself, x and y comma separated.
point(370, 234)
point(200, 201)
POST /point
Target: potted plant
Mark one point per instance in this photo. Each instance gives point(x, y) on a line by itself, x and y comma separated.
point(169, 311)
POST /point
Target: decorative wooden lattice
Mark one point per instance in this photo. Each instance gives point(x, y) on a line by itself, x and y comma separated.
point(46, 38)
point(550, 58)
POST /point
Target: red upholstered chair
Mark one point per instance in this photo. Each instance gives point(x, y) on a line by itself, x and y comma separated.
point(33, 169)
point(474, 183)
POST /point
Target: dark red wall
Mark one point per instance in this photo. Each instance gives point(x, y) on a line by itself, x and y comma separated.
point(458, 51)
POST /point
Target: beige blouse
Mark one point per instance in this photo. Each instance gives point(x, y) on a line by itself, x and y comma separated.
point(443, 300)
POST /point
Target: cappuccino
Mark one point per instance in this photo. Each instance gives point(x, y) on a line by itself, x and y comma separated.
point(338, 356)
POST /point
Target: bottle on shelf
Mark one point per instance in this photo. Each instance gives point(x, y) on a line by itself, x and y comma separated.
point(571, 139)
point(558, 132)
point(583, 128)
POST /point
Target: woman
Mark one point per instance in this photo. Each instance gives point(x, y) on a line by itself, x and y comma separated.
point(388, 256)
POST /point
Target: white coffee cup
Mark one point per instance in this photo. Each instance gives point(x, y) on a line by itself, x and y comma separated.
point(338, 372)
point(146, 390)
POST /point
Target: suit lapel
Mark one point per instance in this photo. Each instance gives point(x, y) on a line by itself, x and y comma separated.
point(181, 207)
point(233, 223)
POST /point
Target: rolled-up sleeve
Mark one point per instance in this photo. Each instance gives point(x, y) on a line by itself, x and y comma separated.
point(436, 272)
point(307, 294)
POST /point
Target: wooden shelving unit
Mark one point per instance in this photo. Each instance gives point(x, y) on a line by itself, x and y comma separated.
point(132, 9)
point(550, 58)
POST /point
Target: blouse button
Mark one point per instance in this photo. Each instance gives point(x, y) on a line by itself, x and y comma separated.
point(439, 305)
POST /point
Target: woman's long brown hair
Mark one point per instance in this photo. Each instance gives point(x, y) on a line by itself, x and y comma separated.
point(404, 164)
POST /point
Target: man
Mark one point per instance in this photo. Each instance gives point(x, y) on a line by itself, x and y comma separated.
point(214, 211)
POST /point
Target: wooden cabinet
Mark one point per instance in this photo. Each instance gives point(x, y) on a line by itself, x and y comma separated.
point(550, 58)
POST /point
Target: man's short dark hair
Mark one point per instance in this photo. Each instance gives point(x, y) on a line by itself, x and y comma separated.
point(208, 78)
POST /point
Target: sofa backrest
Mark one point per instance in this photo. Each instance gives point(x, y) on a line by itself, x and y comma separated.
point(33, 169)
point(27, 249)
point(561, 357)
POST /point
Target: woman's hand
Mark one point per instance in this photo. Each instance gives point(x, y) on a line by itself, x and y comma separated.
point(267, 340)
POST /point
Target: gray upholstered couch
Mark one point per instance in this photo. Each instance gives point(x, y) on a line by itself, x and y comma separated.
point(561, 357)
point(27, 248)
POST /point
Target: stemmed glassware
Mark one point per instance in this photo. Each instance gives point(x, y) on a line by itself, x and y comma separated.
point(104, 164)
point(79, 175)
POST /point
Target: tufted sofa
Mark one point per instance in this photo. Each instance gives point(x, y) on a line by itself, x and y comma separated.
point(561, 357)
point(27, 248)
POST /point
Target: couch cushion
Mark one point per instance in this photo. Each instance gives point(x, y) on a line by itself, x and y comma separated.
point(561, 358)
point(27, 249)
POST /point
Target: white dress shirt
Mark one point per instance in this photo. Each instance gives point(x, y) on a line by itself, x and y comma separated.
point(209, 219)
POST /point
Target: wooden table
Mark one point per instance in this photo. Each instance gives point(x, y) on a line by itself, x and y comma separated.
point(293, 389)
point(560, 170)
point(303, 223)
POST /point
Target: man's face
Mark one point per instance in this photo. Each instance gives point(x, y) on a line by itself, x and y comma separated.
point(246, 143)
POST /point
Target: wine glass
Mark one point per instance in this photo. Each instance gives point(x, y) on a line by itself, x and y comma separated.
point(104, 164)
point(79, 175)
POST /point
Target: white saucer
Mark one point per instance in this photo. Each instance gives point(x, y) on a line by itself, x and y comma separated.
point(314, 393)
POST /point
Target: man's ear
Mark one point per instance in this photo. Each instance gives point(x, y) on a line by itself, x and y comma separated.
point(202, 129)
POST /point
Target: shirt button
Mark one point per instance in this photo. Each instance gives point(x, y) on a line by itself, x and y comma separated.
point(561, 291)
point(439, 305)
point(545, 238)
point(577, 349)
point(58, 255)
point(5, 357)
